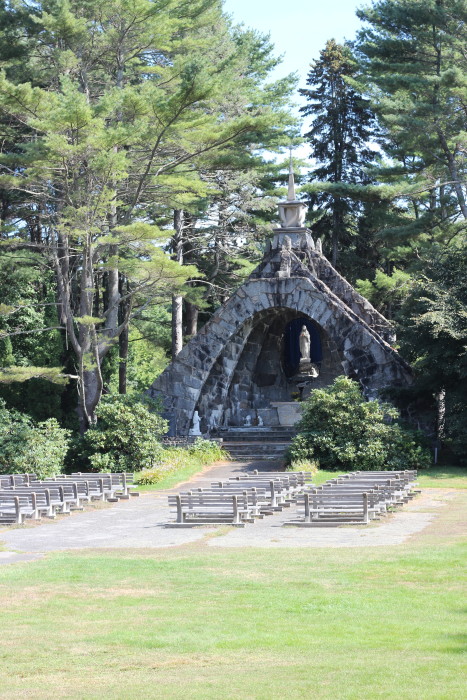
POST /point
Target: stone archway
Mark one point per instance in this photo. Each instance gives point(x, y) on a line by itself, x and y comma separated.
point(204, 370)
point(250, 373)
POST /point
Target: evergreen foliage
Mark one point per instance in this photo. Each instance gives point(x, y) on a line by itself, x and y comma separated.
point(342, 125)
point(29, 447)
point(434, 338)
point(126, 436)
point(343, 431)
point(117, 120)
point(126, 103)
point(413, 63)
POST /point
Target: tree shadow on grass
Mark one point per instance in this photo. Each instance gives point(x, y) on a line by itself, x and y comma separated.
point(456, 643)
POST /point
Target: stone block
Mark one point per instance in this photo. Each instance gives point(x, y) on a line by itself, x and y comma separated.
point(289, 412)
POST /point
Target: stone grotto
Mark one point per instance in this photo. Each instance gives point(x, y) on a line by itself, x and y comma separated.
point(293, 326)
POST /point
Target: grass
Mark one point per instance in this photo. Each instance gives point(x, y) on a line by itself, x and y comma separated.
point(434, 477)
point(178, 464)
point(173, 478)
point(204, 623)
point(443, 477)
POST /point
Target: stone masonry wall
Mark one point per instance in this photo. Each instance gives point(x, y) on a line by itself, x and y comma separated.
point(202, 373)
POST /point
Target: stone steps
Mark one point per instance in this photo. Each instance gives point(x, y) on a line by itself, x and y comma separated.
point(277, 434)
point(250, 444)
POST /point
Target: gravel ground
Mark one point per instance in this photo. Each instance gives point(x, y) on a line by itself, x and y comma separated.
point(140, 522)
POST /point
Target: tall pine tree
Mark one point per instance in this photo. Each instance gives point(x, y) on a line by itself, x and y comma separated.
point(342, 124)
point(412, 55)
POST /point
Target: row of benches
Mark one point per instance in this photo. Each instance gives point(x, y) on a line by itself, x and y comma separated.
point(358, 497)
point(239, 500)
point(24, 496)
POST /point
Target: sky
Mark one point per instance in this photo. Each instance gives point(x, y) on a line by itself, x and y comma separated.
point(299, 29)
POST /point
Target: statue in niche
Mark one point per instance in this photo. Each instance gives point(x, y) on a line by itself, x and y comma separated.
point(285, 265)
point(305, 345)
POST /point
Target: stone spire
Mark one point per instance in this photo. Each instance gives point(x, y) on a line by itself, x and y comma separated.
point(292, 212)
point(291, 193)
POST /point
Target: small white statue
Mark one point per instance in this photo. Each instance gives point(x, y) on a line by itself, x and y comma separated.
point(305, 345)
point(248, 422)
point(196, 431)
point(260, 422)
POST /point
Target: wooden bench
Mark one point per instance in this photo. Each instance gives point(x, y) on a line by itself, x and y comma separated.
point(93, 489)
point(14, 509)
point(279, 495)
point(59, 494)
point(60, 498)
point(302, 477)
point(257, 497)
point(355, 498)
point(121, 480)
point(213, 509)
point(7, 480)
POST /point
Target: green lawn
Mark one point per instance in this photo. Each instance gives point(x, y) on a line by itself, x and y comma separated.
point(204, 623)
point(435, 477)
point(173, 478)
point(439, 477)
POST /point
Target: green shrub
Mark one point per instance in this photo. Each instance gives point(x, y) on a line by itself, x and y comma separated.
point(26, 446)
point(207, 450)
point(303, 465)
point(127, 434)
point(151, 476)
point(172, 459)
point(344, 431)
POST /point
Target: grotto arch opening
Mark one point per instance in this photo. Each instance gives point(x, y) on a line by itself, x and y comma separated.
point(258, 367)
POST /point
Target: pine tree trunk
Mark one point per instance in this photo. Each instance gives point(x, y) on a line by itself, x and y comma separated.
point(335, 230)
point(177, 301)
point(123, 360)
point(441, 413)
point(123, 289)
point(90, 392)
point(177, 325)
point(191, 316)
point(452, 167)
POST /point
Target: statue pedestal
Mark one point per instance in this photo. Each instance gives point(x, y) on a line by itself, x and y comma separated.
point(307, 370)
point(289, 412)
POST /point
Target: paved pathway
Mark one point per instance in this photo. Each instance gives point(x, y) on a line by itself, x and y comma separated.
point(140, 522)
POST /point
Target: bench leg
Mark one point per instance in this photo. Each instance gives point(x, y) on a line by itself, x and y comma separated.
point(179, 510)
point(19, 514)
point(307, 507)
point(365, 509)
point(235, 510)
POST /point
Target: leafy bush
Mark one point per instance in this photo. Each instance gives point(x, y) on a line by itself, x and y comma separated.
point(26, 446)
point(344, 431)
point(172, 459)
point(303, 465)
point(127, 434)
